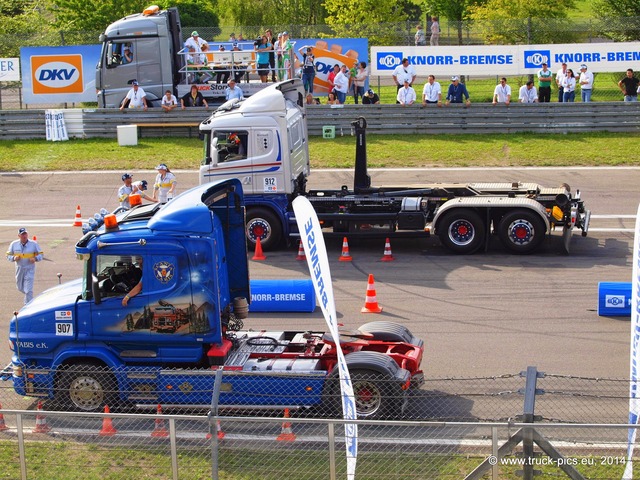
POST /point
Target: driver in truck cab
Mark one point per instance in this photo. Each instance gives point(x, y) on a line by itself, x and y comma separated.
point(134, 277)
point(233, 149)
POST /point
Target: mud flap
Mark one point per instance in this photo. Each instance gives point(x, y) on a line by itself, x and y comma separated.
point(567, 232)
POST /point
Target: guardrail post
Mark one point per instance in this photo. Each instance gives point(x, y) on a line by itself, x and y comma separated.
point(494, 451)
point(23, 461)
point(213, 416)
point(528, 416)
point(174, 449)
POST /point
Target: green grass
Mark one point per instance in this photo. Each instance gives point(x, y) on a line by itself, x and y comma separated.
point(588, 149)
point(68, 460)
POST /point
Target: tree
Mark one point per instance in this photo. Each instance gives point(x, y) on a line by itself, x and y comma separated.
point(453, 10)
point(522, 21)
point(362, 18)
point(620, 18)
point(22, 23)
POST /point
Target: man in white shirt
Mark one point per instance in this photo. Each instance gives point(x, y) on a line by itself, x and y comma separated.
point(136, 97)
point(169, 101)
point(528, 93)
point(406, 95)
point(586, 83)
point(432, 92)
point(232, 91)
point(502, 93)
point(403, 72)
point(195, 41)
point(560, 76)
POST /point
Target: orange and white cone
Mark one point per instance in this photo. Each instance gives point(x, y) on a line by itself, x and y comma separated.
point(78, 220)
point(159, 429)
point(108, 430)
point(300, 255)
point(219, 431)
point(3, 426)
point(345, 256)
point(371, 302)
point(41, 421)
point(286, 435)
point(387, 256)
point(258, 255)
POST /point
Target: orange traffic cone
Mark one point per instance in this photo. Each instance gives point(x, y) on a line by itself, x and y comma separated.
point(3, 426)
point(345, 256)
point(108, 430)
point(159, 430)
point(41, 421)
point(286, 435)
point(35, 239)
point(219, 430)
point(78, 220)
point(371, 302)
point(388, 256)
point(258, 255)
point(300, 251)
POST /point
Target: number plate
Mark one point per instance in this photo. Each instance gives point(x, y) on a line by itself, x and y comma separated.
point(64, 329)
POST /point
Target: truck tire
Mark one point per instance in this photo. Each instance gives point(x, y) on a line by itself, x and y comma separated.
point(521, 231)
point(387, 331)
point(87, 387)
point(264, 224)
point(461, 231)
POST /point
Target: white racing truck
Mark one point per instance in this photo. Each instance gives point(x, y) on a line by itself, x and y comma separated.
point(262, 141)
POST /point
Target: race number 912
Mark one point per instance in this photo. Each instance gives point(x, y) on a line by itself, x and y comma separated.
point(64, 329)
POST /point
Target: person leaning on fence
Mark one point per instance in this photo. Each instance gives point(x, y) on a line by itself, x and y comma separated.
point(457, 91)
point(502, 92)
point(370, 98)
point(135, 98)
point(169, 101)
point(233, 91)
point(402, 72)
point(406, 95)
point(193, 98)
point(528, 93)
point(432, 92)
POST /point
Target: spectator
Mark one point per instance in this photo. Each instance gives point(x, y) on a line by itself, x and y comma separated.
point(402, 72)
point(169, 101)
point(308, 69)
point(559, 79)
point(277, 47)
point(262, 58)
point(232, 37)
point(193, 98)
point(331, 98)
point(569, 87)
point(125, 190)
point(360, 81)
point(135, 97)
point(432, 92)
point(528, 93)
point(629, 86)
point(456, 91)
point(406, 95)
point(164, 187)
point(544, 84)
point(370, 98)
point(195, 42)
point(24, 253)
point(272, 55)
point(502, 93)
point(435, 32)
point(420, 38)
point(341, 84)
point(332, 76)
point(284, 72)
point(309, 100)
point(232, 91)
point(586, 83)
point(204, 75)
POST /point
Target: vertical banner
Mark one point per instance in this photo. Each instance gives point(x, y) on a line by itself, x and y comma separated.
point(634, 356)
point(55, 126)
point(318, 261)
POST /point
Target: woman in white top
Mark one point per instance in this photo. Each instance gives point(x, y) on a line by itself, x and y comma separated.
point(164, 188)
point(569, 86)
point(360, 81)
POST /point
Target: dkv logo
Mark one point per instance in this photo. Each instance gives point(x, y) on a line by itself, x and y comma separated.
point(535, 58)
point(389, 60)
point(57, 74)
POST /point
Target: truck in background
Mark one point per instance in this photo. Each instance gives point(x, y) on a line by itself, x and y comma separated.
point(263, 142)
point(157, 59)
point(78, 345)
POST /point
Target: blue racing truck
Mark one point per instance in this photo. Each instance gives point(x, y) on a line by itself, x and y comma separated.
point(91, 341)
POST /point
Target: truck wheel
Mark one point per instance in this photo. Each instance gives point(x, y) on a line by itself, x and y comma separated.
point(461, 231)
point(87, 387)
point(521, 231)
point(264, 224)
point(373, 394)
point(387, 331)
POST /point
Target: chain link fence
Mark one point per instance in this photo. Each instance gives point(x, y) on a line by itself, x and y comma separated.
point(290, 426)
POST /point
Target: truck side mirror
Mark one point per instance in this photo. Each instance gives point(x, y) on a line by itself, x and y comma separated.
point(95, 290)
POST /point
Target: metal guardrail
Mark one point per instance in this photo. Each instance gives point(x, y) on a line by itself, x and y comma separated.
point(381, 119)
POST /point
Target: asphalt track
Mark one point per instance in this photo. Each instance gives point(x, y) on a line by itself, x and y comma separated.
point(484, 314)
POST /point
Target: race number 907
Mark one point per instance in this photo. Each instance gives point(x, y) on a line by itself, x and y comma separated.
point(64, 329)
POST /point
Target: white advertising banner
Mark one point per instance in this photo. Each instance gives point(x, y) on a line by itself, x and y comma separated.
point(56, 128)
point(487, 60)
point(9, 69)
